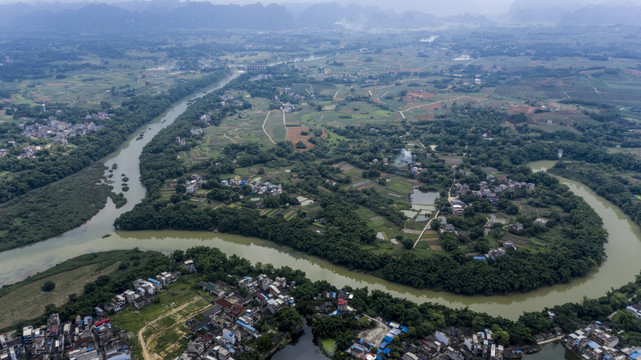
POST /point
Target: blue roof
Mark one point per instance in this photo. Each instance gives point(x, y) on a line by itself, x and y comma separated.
point(245, 326)
point(480, 258)
point(387, 351)
point(404, 328)
point(634, 355)
point(383, 345)
point(389, 339)
point(593, 345)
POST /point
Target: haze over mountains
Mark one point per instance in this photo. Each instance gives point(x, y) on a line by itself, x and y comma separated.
point(166, 15)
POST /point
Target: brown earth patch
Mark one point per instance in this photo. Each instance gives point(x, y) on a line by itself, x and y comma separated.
point(294, 134)
point(524, 109)
point(421, 94)
point(632, 71)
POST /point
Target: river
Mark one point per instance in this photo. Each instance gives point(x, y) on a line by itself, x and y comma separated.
point(98, 235)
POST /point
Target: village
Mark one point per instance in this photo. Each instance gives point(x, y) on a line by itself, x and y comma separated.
point(84, 338)
point(257, 185)
point(598, 340)
point(235, 314)
point(59, 131)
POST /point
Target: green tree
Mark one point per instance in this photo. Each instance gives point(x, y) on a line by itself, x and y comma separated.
point(264, 343)
point(288, 319)
point(48, 286)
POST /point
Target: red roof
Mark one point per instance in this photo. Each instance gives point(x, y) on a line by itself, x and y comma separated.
point(224, 303)
point(101, 322)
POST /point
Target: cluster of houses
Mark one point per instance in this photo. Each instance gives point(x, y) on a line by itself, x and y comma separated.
point(84, 338)
point(194, 183)
point(98, 116)
point(206, 118)
point(328, 308)
point(518, 227)
point(497, 252)
point(459, 345)
point(261, 77)
point(491, 188)
point(59, 131)
point(229, 100)
point(448, 343)
point(257, 185)
point(375, 344)
point(142, 294)
point(218, 330)
point(29, 152)
point(596, 341)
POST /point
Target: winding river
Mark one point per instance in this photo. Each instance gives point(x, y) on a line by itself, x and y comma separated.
point(98, 235)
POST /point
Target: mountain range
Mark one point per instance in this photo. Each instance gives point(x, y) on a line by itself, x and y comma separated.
point(168, 15)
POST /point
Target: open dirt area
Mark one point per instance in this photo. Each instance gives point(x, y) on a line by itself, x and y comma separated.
point(375, 336)
point(294, 134)
point(154, 344)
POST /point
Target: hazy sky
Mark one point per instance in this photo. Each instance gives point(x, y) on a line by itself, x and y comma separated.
point(436, 7)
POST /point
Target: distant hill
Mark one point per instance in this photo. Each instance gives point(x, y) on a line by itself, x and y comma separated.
point(629, 15)
point(127, 17)
point(574, 13)
point(167, 15)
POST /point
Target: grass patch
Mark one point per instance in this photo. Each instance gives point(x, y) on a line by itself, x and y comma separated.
point(27, 301)
point(329, 345)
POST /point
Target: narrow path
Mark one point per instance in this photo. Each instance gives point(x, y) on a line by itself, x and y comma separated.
point(449, 199)
point(379, 98)
point(477, 59)
point(265, 131)
point(596, 90)
point(284, 123)
point(438, 102)
point(425, 229)
point(230, 139)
